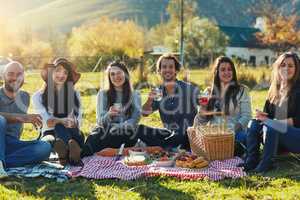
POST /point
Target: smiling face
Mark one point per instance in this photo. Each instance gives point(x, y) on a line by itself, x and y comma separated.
point(60, 75)
point(117, 77)
point(225, 72)
point(168, 70)
point(287, 69)
point(13, 77)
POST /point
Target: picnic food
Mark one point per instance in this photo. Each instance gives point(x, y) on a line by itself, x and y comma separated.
point(163, 159)
point(111, 152)
point(108, 152)
point(136, 160)
point(191, 161)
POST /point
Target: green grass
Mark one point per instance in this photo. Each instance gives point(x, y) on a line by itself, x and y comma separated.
point(281, 183)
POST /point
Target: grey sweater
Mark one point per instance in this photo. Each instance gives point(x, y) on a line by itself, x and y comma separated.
point(240, 114)
point(102, 110)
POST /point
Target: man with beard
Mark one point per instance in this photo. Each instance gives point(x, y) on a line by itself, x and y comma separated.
point(177, 108)
point(14, 104)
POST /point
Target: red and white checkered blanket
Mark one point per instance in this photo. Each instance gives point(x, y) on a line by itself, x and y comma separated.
point(97, 167)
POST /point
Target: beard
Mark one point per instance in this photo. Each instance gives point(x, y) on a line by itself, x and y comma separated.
point(13, 86)
point(169, 78)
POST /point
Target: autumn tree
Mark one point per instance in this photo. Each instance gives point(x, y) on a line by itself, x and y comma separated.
point(106, 38)
point(280, 31)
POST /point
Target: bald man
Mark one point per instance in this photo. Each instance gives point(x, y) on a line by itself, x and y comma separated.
point(14, 104)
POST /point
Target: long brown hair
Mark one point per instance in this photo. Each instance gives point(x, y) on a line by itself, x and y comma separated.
point(50, 97)
point(273, 93)
point(126, 88)
point(232, 90)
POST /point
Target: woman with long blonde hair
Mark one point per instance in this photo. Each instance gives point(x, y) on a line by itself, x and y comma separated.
point(279, 122)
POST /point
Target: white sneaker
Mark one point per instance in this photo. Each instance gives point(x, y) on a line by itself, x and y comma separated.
point(3, 173)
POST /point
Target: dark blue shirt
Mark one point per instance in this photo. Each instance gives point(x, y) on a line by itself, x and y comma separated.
point(177, 111)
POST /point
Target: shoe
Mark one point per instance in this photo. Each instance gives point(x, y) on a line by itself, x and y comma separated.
point(74, 152)
point(263, 168)
point(3, 173)
point(248, 166)
point(239, 149)
point(241, 165)
point(61, 149)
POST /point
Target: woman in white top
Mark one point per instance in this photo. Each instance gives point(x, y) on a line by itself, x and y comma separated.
point(59, 105)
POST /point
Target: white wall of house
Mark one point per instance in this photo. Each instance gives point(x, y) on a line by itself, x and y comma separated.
point(246, 53)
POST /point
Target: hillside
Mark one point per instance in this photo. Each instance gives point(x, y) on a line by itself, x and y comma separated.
point(64, 14)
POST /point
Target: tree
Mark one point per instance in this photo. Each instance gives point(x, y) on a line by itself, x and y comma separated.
point(203, 41)
point(280, 31)
point(106, 38)
point(189, 6)
point(157, 34)
point(35, 54)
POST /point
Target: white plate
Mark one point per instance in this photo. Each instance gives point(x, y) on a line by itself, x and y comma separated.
point(137, 153)
point(167, 163)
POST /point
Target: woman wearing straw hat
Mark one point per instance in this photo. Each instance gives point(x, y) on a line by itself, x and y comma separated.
point(59, 105)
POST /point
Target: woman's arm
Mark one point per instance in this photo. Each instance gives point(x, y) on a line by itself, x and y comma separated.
point(245, 108)
point(79, 117)
point(41, 110)
point(102, 114)
point(136, 113)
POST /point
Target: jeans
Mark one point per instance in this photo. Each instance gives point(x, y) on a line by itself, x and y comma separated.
point(273, 139)
point(100, 138)
point(16, 153)
point(241, 136)
point(67, 134)
point(162, 137)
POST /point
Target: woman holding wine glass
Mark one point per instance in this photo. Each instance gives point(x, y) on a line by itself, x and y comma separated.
point(227, 98)
point(118, 111)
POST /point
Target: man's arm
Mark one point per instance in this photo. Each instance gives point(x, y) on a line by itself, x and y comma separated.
point(12, 117)
point(147, 107)
point(35, 119)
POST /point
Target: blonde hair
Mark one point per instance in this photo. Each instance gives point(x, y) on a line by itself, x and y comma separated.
point(273, 93)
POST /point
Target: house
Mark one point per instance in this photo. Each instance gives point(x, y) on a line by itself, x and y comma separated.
point(243, 45)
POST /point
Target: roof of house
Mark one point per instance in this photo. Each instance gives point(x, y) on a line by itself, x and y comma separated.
point(241, 36)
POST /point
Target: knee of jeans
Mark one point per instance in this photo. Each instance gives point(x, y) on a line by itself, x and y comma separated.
point(42, 150)
point(3, 122)
point(269, 131)
point(59, 126)
point(253, 125)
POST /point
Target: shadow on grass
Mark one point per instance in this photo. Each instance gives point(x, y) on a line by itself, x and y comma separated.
point(148, 188)
point(287, 168)
point(81, 188)
point(50, 189)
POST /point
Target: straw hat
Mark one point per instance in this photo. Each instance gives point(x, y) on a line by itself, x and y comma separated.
point(75, 75)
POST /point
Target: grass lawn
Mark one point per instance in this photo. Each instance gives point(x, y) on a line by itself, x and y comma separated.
point(281, 183)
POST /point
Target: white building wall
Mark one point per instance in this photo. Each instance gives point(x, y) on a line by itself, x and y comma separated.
point(245, 53)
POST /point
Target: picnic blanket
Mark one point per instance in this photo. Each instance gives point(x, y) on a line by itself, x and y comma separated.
point(45, 169)
point(97, 167)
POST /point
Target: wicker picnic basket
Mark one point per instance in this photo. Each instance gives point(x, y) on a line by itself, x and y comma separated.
point(212, 142)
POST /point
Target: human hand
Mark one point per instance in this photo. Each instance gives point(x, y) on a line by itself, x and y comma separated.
point(238, 127)
point(69, 122)
point(261, 116)
point(113, 111)
point(34, 119)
